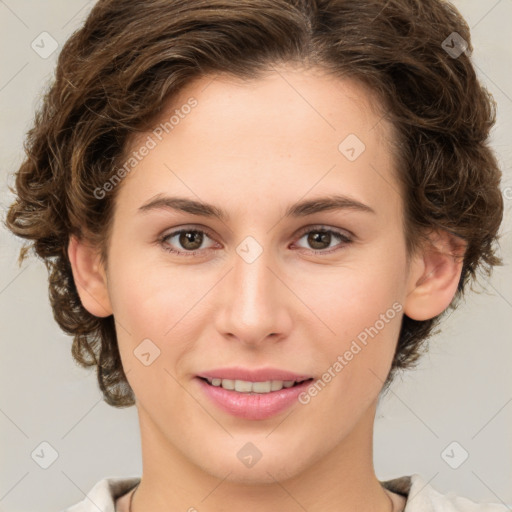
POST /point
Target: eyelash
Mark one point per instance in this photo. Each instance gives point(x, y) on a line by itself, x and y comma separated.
point(320, 229)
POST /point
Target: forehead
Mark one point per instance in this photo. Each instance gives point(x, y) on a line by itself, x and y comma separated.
point(287, 133)
point(287, 101)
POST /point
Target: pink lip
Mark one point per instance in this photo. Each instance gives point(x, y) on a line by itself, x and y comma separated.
point(260, 375)
point(253, 406)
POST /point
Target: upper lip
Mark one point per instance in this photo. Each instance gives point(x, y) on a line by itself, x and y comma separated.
point(253, 375)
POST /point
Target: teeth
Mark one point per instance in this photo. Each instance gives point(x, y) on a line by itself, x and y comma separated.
point(244, 386)
point(276, 385)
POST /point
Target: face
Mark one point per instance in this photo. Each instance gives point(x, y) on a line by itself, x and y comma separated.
point(317, 292)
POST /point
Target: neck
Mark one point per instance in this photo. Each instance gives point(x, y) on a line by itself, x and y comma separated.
point(341, 480)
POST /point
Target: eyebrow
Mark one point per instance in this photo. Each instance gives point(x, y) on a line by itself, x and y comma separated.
point(300, 209)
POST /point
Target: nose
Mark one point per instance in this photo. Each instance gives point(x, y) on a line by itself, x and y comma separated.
point(254, 300)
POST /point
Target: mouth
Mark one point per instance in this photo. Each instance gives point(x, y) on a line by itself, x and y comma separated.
point(251, 387)
point(253, 400)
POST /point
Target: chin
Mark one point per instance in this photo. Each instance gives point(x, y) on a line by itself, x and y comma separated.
point(277, 465)
point(261, 474)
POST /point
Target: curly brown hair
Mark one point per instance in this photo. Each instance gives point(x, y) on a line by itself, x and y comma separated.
point(115, 74)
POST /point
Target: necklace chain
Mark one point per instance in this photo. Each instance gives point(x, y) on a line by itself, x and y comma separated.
point(137, 486)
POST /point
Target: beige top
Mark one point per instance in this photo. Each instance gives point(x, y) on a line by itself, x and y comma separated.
point(123, 503)
point(413, 491)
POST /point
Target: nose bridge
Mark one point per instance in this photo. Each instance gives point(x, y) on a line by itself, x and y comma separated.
point(252, 277)
point(255, 306)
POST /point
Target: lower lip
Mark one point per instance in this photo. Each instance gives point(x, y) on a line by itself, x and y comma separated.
point(253, 406)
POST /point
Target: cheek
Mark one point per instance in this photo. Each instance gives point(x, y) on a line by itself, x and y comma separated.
point(360, 309)
point(154, 311)
point(151, 300)
point(159, 300)
point(352, 298)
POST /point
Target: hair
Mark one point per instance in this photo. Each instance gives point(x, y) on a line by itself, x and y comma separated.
point(116, 73)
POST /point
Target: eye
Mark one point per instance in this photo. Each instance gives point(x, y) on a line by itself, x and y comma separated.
point(191, 240)
point(320, 239)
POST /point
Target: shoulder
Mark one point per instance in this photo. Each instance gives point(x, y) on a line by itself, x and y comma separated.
point(422, 497)
point(103, 494)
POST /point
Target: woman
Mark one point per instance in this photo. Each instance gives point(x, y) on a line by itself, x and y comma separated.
point(254, 214)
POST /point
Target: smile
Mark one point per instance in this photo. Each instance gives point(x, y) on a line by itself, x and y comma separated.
point(252, 400)
point(244, 386)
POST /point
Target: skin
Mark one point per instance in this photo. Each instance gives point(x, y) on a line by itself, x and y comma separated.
point(274, 141)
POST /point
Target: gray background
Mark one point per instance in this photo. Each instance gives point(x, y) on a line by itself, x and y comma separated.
point(461, 392)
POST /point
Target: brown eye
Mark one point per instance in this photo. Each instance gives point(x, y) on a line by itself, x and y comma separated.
point(187, 241)
point(320, 239)
point(190, 240)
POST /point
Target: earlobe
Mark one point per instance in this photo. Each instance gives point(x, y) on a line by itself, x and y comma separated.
point(90, 277)
point(434, 276)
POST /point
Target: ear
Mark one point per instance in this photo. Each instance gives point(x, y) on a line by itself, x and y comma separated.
point(90, 277)
point(434, 276)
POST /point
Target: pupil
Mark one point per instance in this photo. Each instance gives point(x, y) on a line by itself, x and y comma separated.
point(317, 238)
point(187, 237)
